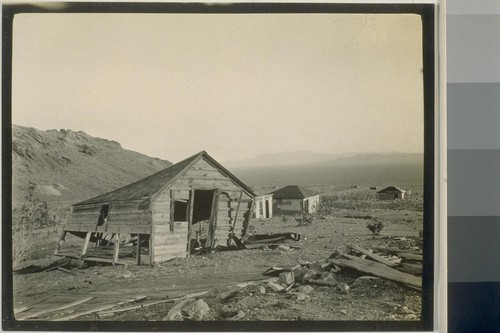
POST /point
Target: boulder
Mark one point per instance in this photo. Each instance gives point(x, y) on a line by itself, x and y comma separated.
point(275, 287)
point(196, 310)
point(305, 289)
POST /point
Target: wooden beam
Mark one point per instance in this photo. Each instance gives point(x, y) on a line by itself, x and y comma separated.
point(372, 255)
point(213, 219)
point(377, 269)
point(138, 249)
point(85, 244)
point(236, 214)
point(117, 249)
point(172, 210)
point(190, 221)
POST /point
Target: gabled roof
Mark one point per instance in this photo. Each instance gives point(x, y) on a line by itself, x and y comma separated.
point(293, 192)
point(149, 186)
point(391, 189)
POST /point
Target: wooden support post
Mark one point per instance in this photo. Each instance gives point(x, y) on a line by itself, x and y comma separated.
point(61, 239)
point(86, 244)
point(138, 249)
point(213, 219)
point(190, 221)
point(117, 249)
point(172, 211)
point(236, 214)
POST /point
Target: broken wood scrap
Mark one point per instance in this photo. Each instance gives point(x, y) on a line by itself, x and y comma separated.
point(59, 268)
point(52, 306)
point(395, 250)
point(96, 307)
point(378, 269)
point(372, 255)
point(410, 268)
point(410, 256)
point(170, 300)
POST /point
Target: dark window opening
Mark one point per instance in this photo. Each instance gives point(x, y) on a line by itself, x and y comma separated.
point(180, 211)
point(267, 209)
point(202, 205)
point(103, 215)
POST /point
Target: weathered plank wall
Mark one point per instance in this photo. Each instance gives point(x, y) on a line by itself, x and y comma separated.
point(124, 217)
point(168, 244)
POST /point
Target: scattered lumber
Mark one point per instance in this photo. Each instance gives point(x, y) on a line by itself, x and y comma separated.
point(410, 268)
point(410, 256)
point(372, 255)
point(170, 300)
point(52, 307)
point(378, 269)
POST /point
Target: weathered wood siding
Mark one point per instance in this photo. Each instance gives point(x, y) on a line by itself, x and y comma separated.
point(169, 245)
point(125, 217)
point(226, 215)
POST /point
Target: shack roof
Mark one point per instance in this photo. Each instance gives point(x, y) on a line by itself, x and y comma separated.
point(147, 187)
point(293, 192)
point(391, 189)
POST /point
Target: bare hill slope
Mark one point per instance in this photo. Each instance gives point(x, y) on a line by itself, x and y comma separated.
point(63, 167)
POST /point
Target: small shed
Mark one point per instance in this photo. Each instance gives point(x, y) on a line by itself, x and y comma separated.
point(293, 199)
point(391, 193)
point(196, 202)
point(264, 206)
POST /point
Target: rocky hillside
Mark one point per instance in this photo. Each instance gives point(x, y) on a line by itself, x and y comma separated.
point(64, 167)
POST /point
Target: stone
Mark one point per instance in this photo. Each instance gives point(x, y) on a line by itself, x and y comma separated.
point(284, 248)
point(300, 296)
point(275, 287)
point(256, 289)
point(175, 312)
point(344, 312)
point(226, 295)
point(343, 287)
point(299, 273)
point(305, 289)
point(405, 310)
point(196, 310)
point(287, 278)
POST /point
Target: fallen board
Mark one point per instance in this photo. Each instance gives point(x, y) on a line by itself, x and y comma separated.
point(377, 269)
point(372, 255)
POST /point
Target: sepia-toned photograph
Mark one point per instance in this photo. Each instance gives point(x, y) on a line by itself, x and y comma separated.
point(221, 164)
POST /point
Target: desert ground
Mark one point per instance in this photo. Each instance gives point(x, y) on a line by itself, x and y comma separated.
point(231, 284)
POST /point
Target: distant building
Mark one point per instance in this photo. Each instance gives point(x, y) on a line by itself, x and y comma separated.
point(295, 199)
point(391, 193)
point(264, 206)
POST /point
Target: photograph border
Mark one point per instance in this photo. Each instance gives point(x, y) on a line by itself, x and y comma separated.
point(427, 14)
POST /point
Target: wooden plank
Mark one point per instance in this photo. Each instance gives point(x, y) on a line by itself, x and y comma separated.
point(372, 255)
point(410, 256)
point(116, 251)
point(190, 222)
point(85, 244)
point(55, 308)
point(377, 269)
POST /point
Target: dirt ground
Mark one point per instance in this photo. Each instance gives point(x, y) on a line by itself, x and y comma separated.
point(219, 272)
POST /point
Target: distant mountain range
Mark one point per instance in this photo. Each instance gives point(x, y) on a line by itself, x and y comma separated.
point(285, 158)
point(315, 168)
point(64, 167)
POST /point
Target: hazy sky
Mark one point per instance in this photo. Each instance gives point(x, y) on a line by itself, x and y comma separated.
point(239, 85)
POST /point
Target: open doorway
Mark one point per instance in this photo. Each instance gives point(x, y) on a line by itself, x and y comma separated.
point(202, 212)
point(267, 209)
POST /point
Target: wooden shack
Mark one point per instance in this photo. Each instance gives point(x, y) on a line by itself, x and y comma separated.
point(194, 203)
point(391, 193)
point(293, 199)
point(264, 206)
